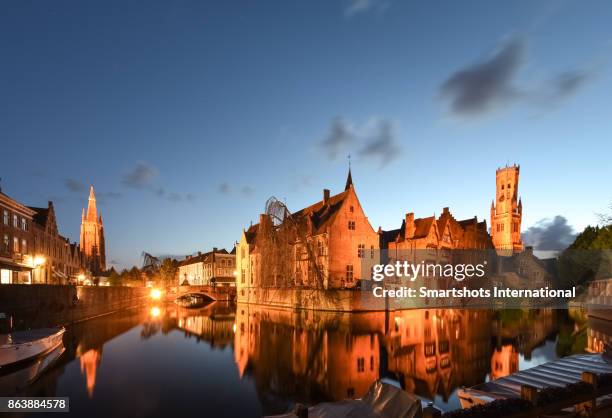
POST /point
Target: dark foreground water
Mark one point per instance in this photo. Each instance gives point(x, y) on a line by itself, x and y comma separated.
point(246, 361)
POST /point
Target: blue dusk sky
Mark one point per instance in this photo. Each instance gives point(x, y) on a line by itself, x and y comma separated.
point(186, 116)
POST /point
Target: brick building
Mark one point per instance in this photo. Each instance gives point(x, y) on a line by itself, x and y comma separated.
point(32, 250)
point(325, 246)
point(216, 267)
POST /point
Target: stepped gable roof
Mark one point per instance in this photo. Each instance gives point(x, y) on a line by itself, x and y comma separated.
point(41, 215)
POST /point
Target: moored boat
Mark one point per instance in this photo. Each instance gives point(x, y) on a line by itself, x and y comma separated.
point(20, 346)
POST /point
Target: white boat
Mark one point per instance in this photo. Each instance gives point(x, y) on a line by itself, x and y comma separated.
point(21, 346)
point(15, 379)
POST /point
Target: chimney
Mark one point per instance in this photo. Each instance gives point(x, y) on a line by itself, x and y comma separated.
point(199, 253)
point(325, 195)
point(264, 220)
point(529, 250)
point(410, 227)
point(214, 249)
point(445, 210)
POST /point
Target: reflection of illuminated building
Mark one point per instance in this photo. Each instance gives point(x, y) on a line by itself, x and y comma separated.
point(435, 351)
point(90, 360)
point(504, 361)
point(214, 329)
point(306, 355)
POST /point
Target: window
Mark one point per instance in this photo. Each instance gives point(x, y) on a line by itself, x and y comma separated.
point(6, 243)
point(24, 246)
point(24, 224)
point(502, 187)
point(243, 276)
point(349, 272)
point(15, 221)
point(6, 217)
point(372, 251)
point(360, 365)
point(320, 248)
point(351, 225)
point(361, 251)
point(352, 209)
point(15, 244)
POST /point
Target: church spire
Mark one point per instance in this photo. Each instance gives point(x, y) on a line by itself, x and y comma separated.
point(92, 210)
point(349, 178)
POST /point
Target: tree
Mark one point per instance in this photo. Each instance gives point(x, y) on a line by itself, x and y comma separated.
point(114, 279)
point(606, 218)
point(167, 271)
point(587, 258)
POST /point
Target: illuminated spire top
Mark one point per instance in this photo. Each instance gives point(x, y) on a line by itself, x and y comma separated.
point(92, 210)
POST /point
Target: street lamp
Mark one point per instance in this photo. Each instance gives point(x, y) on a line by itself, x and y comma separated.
point(38, 261)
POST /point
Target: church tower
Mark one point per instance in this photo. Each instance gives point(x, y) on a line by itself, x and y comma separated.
point(92, 236)
point(507, 210)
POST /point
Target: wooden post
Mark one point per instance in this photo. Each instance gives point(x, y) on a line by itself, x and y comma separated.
point(529, 393)
point(589, 407)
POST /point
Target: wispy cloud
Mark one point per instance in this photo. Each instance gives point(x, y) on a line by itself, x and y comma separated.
point(247, 190)
point(339, 138)
point(549, 234)
point(75, 186)
point(141, 176)
point(380, 144)
point(493, 83)
point(355, 7)
point(481, 87)
point(224, 188)
point(374, 140)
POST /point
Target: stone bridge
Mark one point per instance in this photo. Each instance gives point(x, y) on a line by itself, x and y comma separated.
point(219, 292)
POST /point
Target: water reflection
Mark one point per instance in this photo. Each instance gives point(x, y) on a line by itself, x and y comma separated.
point(246, 360)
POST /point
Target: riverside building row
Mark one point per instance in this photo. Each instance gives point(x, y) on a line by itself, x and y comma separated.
point(32, 250)
point(327, 242)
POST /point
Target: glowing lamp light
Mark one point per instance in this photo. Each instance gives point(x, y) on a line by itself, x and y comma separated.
point(38, 261)
point(234, 328)
point(155, 312)
point(235, 273)
point(156, 294)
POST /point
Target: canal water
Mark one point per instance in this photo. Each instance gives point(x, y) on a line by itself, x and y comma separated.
point(248, 361)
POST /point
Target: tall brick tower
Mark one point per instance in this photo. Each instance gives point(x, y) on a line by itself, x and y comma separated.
point(92, 236)
point(507, 210)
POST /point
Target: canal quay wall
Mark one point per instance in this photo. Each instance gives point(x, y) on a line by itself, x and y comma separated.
point(52, 305)
point(340, 300)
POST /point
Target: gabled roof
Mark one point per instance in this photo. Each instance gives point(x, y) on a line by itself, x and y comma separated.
point(321, 213)
point(423, 226)
point(205, 257)
point(41, 215)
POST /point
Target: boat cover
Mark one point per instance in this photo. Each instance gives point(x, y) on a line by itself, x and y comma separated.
point(381, 401)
